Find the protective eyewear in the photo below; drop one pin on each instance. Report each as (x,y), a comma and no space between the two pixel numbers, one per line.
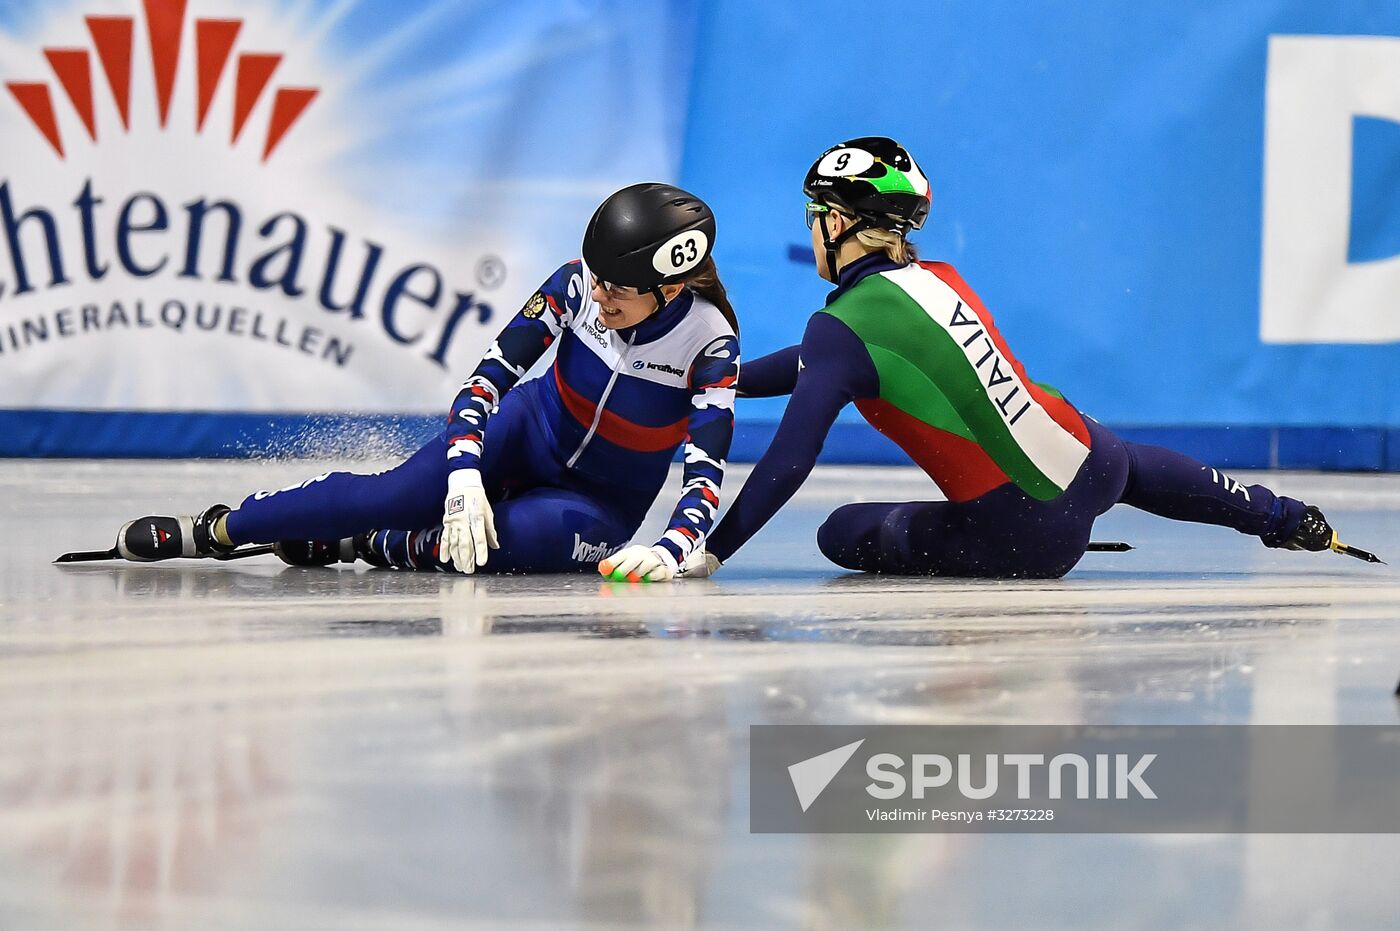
(614,291)
(814,209)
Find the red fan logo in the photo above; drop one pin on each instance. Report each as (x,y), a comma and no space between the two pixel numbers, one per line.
(112,37)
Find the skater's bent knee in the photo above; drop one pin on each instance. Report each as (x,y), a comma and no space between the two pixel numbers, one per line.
(835,540)
(826,539)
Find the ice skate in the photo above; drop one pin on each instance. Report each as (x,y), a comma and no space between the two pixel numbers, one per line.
(1314,534)
(154,538)
(315,553)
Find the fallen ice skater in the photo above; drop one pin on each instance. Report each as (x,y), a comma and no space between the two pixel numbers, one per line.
(553,473)
(914,349)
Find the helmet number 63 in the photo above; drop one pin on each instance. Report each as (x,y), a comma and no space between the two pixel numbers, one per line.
(684,252)
(681,252)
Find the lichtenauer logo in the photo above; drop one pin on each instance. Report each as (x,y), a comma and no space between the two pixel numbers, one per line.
(113,39)
(261,205)
(177,218)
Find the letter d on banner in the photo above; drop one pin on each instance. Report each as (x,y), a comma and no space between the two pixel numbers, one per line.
(1309,292)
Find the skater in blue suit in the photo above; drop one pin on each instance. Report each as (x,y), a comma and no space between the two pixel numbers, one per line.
(556,473)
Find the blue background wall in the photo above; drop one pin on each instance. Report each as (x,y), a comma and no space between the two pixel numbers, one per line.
(1097,172)
(1097,177)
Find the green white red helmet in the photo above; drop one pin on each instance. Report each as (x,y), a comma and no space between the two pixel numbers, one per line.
(873,178)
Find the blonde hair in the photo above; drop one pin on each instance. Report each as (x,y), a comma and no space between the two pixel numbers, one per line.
(896,247)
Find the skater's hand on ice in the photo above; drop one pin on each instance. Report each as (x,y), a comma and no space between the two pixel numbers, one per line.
(468,526)
(639,563)
(698,565)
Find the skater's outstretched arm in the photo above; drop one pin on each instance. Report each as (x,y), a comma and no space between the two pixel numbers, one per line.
(835,370)
(772,375)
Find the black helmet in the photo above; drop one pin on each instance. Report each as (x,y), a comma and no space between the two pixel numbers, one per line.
(874,178)
(648,235)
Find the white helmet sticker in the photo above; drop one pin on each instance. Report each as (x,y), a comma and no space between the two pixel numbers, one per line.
(916,178)
(681,253)
(838,163)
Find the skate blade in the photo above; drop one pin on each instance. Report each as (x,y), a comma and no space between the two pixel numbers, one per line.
(243,552)
(98,555)
(1355,553)
(89,555)
(1108,548)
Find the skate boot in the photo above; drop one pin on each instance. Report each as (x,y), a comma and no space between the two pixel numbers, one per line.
(150,539)
(415,550)
(317,552)
(1314,534)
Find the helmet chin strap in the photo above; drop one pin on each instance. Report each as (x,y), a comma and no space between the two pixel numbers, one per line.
(831,245)
(660,298)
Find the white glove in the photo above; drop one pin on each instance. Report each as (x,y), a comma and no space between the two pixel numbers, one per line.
(698,565)
(468,526)
(639,563)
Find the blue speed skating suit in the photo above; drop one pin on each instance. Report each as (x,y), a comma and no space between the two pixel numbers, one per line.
(571,460)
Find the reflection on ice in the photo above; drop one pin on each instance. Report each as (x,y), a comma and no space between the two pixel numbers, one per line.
(256,746)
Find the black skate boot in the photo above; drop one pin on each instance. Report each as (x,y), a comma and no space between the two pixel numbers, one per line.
(315,552)
(1314,534)
(150,539)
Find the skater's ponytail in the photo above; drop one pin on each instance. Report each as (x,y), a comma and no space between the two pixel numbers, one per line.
(896,248)
(705,282)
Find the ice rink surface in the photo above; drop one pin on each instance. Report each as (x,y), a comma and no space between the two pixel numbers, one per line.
(249,745)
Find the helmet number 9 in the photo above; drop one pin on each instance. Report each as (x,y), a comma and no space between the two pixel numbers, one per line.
(681,252)
(840,163)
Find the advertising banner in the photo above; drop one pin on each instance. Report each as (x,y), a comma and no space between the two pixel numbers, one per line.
(223,218)
(259,206)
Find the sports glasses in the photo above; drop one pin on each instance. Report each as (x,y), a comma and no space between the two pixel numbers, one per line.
(614,291)
(813,210)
